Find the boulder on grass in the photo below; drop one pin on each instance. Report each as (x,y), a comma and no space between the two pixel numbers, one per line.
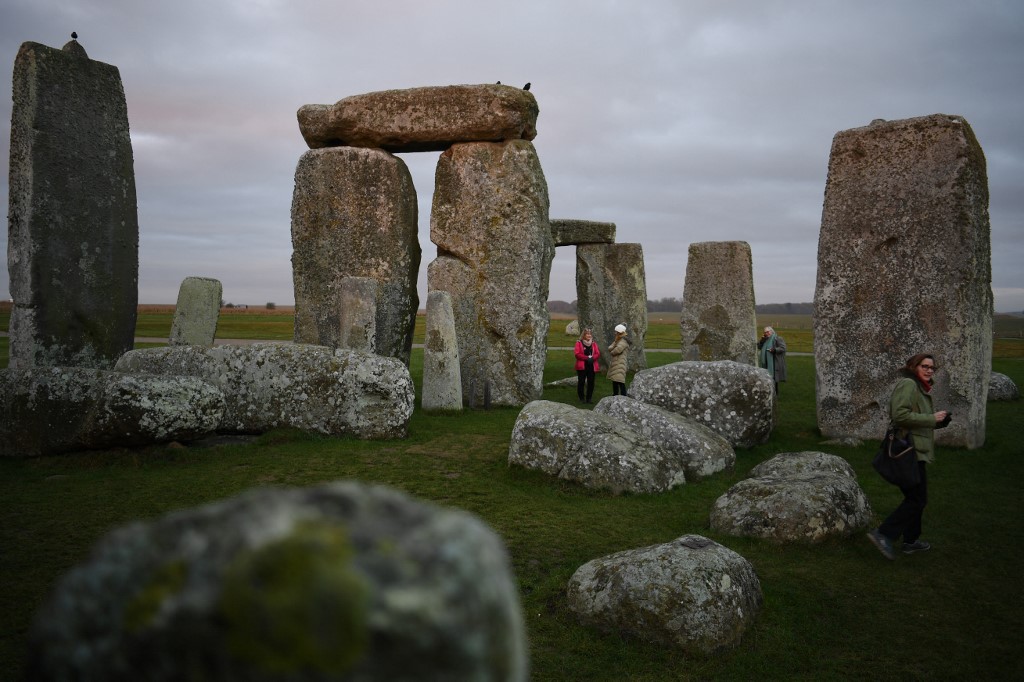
(804,497)
(314,388)
(1001,387)
(338,582)
(691,593)
(702,451)
(732,399)
(50,410)
(593,449)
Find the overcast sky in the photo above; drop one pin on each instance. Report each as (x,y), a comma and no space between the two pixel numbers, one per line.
(678,120)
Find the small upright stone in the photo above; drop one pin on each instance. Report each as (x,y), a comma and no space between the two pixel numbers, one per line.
(442,378)
(904,267)
(358,314)
(718,321)
(73,227)
(197,312)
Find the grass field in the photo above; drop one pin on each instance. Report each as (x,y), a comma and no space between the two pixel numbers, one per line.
(831,611)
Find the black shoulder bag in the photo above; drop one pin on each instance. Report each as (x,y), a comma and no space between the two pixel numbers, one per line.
(896,460)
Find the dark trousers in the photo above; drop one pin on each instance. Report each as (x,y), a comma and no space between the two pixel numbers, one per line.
(618,386)
(585,376)
(906,519)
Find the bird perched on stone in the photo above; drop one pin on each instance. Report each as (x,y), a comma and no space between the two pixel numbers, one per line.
(74,35)
(526,87)
(498,83)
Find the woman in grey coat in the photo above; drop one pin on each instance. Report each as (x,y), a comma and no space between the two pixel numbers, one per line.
(619,349)
(771,355)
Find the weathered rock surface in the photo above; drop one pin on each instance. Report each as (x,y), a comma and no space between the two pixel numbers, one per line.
(592,449)
(1001,387)
(494,251)
(567,232)
(50,410)
(733,399)
(794,497)
(357,314)
(73,226)
(691,593)
(702,451)
(354,215)
(718,321)
(901,194)
(442,377)
(197,312)
(573,329)
(341,581)
(314,388)
(422,119)
(611,289)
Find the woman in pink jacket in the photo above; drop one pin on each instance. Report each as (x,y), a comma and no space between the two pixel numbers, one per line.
(587,354)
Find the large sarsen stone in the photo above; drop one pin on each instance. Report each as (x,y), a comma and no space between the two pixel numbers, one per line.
(267,385)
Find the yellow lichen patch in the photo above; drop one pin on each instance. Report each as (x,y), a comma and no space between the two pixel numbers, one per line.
(143,608)
(298,603)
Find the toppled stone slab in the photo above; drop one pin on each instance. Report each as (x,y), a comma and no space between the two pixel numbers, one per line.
(567,232)
(899,194)
(592,449)
(339,582)
(268,385)
(1002,387)
(197,312)
(733,399)
(702,451)
(691,593)
(422,119)
(51,410)
(73,225)
(804,497)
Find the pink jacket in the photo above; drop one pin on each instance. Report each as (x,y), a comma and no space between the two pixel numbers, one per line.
(580,356)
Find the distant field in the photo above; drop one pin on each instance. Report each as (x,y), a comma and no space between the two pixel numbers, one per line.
(257,322)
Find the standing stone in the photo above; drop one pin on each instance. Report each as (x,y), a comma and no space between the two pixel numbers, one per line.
(73,227)
(358,314)
(718,321)
(611,289)
(904,266)
(490,225)
(197,312)
(442,378)
(354,215)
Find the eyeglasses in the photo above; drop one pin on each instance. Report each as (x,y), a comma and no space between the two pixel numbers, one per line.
(928,367)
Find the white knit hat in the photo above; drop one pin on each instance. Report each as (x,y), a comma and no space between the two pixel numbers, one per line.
(620,328)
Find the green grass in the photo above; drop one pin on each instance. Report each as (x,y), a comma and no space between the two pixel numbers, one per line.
(832,611)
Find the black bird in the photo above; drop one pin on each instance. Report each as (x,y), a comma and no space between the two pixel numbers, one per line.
(74,36)
(498,83)
(526,87)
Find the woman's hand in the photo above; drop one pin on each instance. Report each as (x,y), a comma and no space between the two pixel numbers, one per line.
(939,416)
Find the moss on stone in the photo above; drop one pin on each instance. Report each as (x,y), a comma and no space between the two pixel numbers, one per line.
(143,608)
(298,603)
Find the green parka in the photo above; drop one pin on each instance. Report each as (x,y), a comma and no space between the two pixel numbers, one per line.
(617,368)
(911,408)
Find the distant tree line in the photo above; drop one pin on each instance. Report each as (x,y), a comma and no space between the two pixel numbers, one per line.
(674,305)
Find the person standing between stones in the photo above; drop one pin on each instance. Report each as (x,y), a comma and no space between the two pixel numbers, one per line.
(619,349)
(910,407)
(587,354)
(771,355)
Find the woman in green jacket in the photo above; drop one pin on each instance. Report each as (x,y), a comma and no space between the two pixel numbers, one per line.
(910,408)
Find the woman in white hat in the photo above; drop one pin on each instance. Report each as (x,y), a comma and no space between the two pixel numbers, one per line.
(617,368)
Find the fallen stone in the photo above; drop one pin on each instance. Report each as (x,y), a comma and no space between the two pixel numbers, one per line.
(422,119)
(268,385)
(52,410)
(733,399)
(702,451)
(804,497)
(1002,387)
(341,581)
(691,593)
(592,449)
